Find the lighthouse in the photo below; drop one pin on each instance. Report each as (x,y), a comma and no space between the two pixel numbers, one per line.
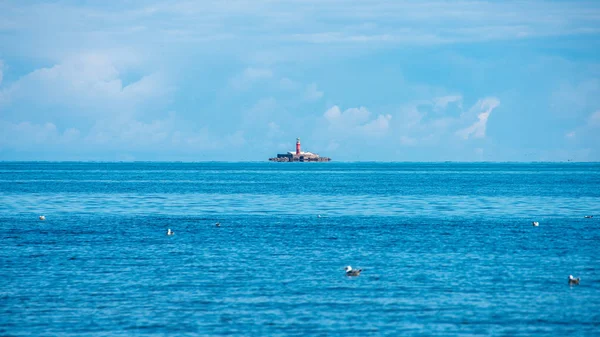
(298,156)
(297,146)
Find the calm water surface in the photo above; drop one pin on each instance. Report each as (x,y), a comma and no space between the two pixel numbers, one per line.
(447,249)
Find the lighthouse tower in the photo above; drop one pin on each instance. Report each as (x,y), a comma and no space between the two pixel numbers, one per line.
(297,146)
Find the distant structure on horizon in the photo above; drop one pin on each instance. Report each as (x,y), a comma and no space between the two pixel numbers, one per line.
(299,156)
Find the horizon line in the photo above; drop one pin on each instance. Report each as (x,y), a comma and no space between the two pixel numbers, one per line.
(273,163)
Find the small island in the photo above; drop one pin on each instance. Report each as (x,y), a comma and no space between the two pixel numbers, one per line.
(299,156)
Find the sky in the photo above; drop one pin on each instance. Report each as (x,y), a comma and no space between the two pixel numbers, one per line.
(240,80)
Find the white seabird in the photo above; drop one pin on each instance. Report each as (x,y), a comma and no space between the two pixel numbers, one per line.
(588,216)
(218,224)
(42,217)
(535,223)
(352,272)
(170,232)
(573,280)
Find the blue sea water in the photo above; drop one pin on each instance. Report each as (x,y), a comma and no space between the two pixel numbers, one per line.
(446,248)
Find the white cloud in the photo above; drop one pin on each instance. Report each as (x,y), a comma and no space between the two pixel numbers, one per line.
(338,37)
(477,129)
(204,139)
(168,135)
(236,139)
(312,94)
(131,133)
(427,122)
(418,125)
(479,153)
(87,91)
(93,86)
(257,73)
(575,99)
(588,132)
(594,119)
(274,130)
(138,132)
(264,104)
(199,139)
(356,121)
(250,76)
(287,84)
(349,118)
(87,84)
(408,141)
(213,26)
(27,135)
(441,103)
(164,136)
(260,113)
(378,126)
(332,146)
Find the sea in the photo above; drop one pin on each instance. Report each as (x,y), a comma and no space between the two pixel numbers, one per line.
(446,249)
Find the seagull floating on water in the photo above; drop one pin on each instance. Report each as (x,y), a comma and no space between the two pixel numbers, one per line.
(352,272)
(588,216)
(535,223)
(573,280)
(170,232)
(218,224)
(42,217)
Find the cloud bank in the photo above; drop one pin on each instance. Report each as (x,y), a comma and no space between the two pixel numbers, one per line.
(235,80)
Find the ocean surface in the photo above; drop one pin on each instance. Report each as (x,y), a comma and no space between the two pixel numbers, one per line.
(446,249)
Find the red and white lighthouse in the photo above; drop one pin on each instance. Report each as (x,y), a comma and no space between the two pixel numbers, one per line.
(297,146)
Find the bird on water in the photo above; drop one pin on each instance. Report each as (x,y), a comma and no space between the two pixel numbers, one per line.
(218,224)
(352,272)
(170,232)
(42,217)
(573,280)
(588,216)
(535,223)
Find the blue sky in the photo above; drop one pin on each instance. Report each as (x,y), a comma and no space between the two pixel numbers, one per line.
(240,80)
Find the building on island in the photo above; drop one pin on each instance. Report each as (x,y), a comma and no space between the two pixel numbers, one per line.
(299,156)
